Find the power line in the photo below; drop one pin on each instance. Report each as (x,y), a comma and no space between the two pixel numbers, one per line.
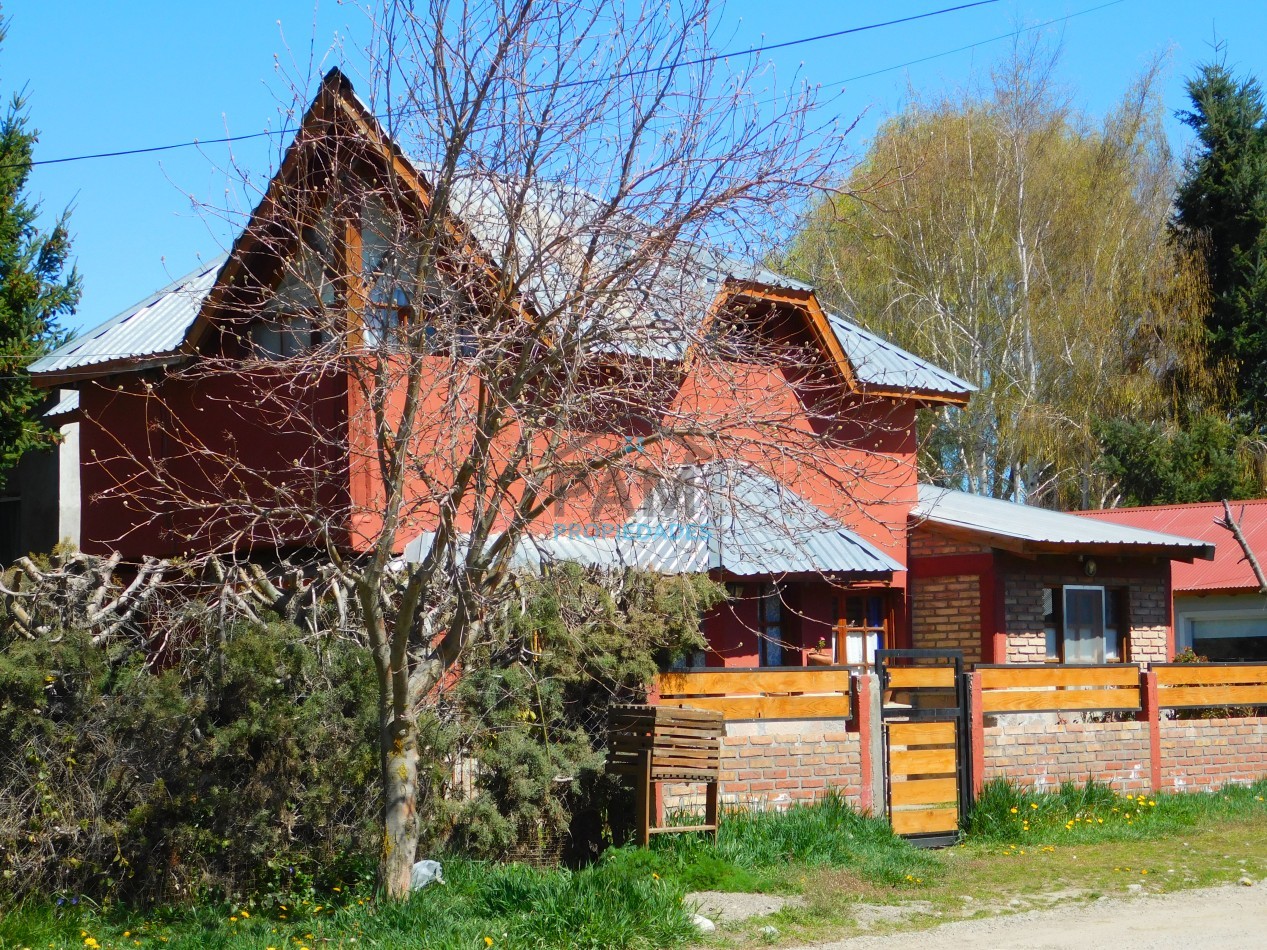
(650,70)
(993,39)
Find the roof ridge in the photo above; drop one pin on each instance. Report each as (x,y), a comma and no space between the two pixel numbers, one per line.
(1177,506)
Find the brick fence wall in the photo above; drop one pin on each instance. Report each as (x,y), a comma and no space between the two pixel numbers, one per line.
(773,764)
(1203,754)
(1043,751)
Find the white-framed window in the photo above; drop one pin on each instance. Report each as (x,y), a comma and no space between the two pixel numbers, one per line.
(1224,629)
(284,337)
(1085,624)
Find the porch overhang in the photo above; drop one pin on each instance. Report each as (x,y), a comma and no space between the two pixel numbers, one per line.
(1029,532)
(724,519)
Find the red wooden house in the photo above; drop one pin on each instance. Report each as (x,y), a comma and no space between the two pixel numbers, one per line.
(813,554)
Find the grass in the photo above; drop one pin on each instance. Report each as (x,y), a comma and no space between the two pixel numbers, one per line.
(754,850)
(481,905)
(1094,812)
(836,859)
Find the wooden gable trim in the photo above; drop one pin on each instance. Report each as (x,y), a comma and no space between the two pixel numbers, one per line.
(733,290)
(807,302)
(268,211)
(335,102)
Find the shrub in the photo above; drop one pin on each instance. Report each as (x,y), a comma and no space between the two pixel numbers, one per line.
(247,763)
(533,702)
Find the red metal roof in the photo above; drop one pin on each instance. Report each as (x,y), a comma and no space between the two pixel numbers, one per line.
(1228,571)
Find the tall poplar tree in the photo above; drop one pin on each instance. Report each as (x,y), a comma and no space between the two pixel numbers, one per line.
(1221,215)
(36,287)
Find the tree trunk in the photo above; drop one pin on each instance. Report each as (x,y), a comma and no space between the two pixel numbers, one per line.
(398,740)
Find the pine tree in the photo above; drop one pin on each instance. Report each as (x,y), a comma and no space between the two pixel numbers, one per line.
(1221,214)
(35,287)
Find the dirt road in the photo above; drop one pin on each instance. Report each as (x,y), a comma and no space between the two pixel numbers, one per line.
(1232,917)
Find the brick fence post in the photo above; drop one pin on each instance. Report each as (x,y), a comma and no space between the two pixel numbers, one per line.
(1151,714)
(870,744)
(976,733)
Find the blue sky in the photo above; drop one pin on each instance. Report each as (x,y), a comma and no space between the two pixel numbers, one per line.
(113,76)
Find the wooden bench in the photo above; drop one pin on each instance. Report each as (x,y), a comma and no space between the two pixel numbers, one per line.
(665,744)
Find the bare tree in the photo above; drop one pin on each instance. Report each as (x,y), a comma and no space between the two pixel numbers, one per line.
(496,306)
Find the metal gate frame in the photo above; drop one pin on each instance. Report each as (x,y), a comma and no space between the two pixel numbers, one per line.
(958,714)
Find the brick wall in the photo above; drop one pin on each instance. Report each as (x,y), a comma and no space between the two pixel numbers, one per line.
(946,614)
(1147,611)
(772,764)
(1201,754)
(926,541)
(1038,750)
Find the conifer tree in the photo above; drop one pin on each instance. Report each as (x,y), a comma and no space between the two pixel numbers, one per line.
(1221,214)
(36,289)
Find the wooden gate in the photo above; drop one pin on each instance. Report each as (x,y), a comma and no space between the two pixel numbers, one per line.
(923,712)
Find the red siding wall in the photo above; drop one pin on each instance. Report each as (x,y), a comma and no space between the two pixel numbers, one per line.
(163,460)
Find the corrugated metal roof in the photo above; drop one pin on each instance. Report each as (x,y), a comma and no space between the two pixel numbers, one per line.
(1005,519)
(67,403)
(661,312)
(673,301)
(1229,571)
(152,328)
(729,518)
(877,362)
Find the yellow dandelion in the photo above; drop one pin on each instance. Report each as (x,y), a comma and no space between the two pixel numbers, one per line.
(1033,804)
(1013,809)
(244,913)
(488,941)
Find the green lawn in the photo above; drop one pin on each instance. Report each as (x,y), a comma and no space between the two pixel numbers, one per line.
(1025,850)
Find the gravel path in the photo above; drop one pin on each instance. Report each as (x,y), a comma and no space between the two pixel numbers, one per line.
(1231,917)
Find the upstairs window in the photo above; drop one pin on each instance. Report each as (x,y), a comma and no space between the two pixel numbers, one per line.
(291,321)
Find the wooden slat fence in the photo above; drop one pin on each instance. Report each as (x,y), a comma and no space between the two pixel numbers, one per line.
(1050,688)
(1189,685)
(768,693)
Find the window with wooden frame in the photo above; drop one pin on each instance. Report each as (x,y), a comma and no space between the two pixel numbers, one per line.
(863,625)
(770,643)
(1086,624)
